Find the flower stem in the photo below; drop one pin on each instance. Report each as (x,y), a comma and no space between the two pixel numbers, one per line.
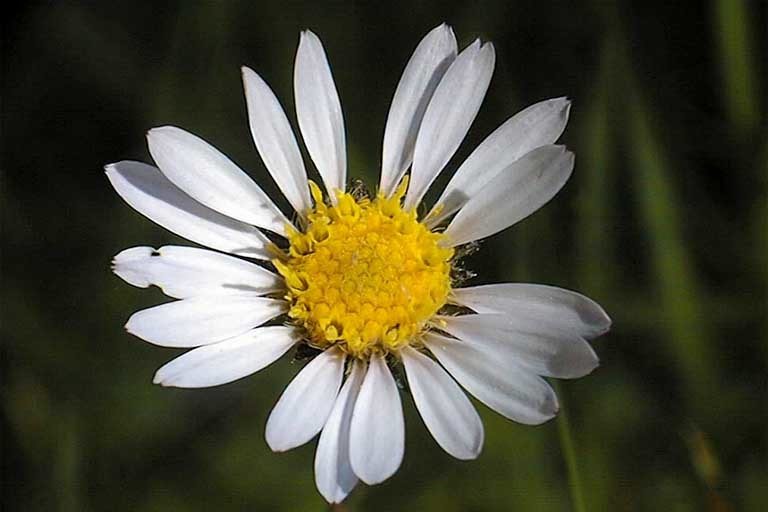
(569,454)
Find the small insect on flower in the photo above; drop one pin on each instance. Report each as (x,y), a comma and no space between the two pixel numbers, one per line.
(363,284)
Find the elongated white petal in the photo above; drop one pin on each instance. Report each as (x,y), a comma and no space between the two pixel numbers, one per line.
(536,126)
(568,309)
(447,412)
(319,113)
(202,320)
(208,176)
(275,141)
(377,433)
(508,389)
(333,472)
(536,343)
(521,189)
(150,193)
(306,403)
(422,74)
(449,115)
(235,358)
(183,272)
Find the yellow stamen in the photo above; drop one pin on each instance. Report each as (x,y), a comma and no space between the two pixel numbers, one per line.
(364,275)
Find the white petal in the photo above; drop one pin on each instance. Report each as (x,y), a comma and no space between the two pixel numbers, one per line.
(570,310)
(508,389)
(521,189)
(377,433)
(150,193)
(202,320)
(306,403)
(449,115)
(333,472)
(422,74)
(275,141)
(449,415)
(319,113)
(235,358)
(183,272)
(539,344)
(536,126)
(207,175)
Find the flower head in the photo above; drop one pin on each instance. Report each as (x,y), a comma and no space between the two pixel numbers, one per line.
(365,275)
(362,279)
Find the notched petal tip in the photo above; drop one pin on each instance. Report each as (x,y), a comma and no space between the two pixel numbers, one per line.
(474,45)
(162,379)
(487,52)
(307,34)
(112,170)
(162,132)
(563,100)
(446,29)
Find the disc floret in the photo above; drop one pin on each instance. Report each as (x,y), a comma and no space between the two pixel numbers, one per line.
(365,274)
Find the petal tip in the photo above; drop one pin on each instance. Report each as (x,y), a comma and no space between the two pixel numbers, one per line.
(248,76)
(554,406)
(604,322)
(471,452)
(308,35)
(161,131)
(445,29)
(273,444)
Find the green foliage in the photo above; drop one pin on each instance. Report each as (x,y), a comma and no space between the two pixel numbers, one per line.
(664,222)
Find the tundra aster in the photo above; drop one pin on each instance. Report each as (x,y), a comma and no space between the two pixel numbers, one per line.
(363,280)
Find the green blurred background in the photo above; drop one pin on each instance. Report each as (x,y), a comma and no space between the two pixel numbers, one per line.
(664,222)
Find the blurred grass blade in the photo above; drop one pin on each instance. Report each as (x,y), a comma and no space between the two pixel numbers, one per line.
(731,26)
(569,454)
(761,214)
(703,457)
(66,464)
(594,209)
(680,307)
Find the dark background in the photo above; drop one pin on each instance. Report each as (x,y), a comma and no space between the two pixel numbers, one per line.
(664,222)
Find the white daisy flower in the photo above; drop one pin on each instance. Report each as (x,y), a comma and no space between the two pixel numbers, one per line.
(365,282)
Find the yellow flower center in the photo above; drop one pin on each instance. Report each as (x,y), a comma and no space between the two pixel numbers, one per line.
(364,275)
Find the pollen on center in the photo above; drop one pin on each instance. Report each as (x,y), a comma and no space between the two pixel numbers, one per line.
(364,274)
